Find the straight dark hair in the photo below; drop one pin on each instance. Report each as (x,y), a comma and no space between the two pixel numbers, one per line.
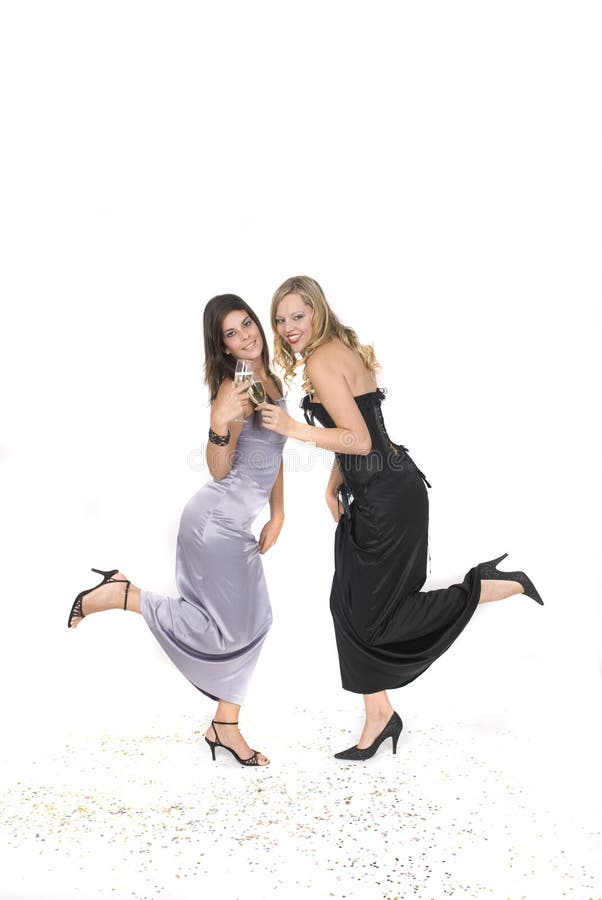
(219,364)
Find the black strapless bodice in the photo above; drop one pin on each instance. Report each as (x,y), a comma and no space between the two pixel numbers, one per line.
(358,470)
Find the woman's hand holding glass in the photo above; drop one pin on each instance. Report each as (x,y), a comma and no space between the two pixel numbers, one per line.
(274,418)
(230,406)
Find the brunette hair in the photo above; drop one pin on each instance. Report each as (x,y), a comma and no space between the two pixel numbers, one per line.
(219,364)
(324,326)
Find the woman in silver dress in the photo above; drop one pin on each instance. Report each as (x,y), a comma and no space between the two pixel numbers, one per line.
(214,629)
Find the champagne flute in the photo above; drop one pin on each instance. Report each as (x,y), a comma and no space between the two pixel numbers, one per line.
(243,372)
(257,392)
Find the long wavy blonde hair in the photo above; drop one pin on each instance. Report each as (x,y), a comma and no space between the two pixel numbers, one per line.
(325,326)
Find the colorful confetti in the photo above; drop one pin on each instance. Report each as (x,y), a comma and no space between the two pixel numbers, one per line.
(151,816)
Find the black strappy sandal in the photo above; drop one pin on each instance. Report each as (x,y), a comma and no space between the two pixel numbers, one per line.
(251,761)
(77,611)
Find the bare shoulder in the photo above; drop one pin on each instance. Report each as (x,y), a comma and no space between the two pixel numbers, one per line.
(226,385)
(334,356)
(340,363)
(224,388)
(326,357)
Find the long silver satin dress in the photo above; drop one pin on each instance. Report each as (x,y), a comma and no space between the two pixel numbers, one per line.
(214,630)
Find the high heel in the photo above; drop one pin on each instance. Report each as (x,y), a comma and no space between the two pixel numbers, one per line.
(250,761)
(391,730)
(77,611)
(488,570)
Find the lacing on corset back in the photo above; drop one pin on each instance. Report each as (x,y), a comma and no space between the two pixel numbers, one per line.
(358,470)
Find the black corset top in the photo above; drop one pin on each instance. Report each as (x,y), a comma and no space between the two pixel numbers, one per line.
(357,469)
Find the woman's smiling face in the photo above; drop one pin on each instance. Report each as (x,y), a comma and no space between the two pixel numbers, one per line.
(241,336)
(293,322)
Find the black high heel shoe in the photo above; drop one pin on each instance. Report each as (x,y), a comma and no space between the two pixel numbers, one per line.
(77,610)
(250,761)
(391,730)
(488,570)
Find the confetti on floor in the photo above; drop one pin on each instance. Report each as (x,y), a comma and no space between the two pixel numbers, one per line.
(456,812)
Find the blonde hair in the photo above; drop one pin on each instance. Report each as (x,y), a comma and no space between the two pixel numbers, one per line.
(325,326)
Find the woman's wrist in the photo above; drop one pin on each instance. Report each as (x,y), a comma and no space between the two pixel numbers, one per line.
(219,426)
(299,431)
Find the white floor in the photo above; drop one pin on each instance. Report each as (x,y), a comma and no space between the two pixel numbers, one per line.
(494,791)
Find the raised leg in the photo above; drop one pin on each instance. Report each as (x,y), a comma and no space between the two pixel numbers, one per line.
(109,596)
(509,582)
(498,590)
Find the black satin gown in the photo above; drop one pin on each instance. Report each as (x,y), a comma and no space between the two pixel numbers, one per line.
(387,630)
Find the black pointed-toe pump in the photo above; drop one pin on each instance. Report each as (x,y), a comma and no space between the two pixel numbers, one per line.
(489,570)
(77,611)
(391,730)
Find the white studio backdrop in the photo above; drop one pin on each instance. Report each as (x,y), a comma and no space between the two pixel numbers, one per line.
(436,168)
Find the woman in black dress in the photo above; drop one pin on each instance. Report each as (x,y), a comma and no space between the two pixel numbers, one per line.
(387,630)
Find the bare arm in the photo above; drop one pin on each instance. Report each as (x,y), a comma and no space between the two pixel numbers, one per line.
(271,530)
(351,433)
(277,495)
(230,402)
(332,500)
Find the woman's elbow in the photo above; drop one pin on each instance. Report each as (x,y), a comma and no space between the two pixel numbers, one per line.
(357,444)
(218,473)
(363,444)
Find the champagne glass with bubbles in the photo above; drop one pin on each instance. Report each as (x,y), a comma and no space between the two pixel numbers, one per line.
(257,391)
(243,372)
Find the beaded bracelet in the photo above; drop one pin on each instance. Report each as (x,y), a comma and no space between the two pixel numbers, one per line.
(220,439)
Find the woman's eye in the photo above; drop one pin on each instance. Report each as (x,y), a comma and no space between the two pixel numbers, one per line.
(247,322)
(298,316)
(229,334)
